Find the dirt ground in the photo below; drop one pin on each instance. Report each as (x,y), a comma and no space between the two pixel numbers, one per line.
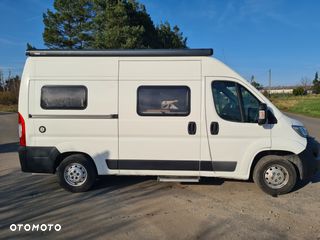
(142,208)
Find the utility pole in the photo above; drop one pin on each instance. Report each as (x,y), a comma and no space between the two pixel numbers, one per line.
(269,82)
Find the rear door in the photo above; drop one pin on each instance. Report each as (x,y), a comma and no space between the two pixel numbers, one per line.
(159,117)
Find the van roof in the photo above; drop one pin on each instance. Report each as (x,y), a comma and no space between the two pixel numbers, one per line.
(120,52)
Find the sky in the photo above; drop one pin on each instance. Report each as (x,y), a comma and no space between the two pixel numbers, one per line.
(251,36)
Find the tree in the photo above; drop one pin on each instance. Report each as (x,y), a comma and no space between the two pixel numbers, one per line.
(255,83)
(30,47)
(316,77)
(316,84)
(117,25)
(10,89)
(105,24)
(6,82)
(252,78)
(13,84)
(170,38)
(299,91)
(305,83)
(70,26)
(2,83)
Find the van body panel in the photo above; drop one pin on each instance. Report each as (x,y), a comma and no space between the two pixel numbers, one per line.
(92,131)
(285,138)
(160,70)
(119,140)
(24,97)
(158,137)
(235,141)
(75,68)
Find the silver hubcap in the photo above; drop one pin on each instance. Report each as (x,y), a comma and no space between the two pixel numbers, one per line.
(276,176)
(75,174)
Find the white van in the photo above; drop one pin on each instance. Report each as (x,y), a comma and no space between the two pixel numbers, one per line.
(176,114)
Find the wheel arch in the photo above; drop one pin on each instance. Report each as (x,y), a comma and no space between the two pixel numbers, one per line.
(292,157)
(62,156)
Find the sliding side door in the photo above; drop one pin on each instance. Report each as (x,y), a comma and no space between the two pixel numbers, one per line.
(159,117)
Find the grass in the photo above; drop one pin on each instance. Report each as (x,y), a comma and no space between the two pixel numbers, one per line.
(8,108)
(8,101)
(308,105)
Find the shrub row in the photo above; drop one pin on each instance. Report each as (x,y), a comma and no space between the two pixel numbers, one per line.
(8,98)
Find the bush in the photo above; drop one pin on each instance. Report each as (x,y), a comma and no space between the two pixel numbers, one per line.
(299,91)
(316,89)
(8,98)
(265,93)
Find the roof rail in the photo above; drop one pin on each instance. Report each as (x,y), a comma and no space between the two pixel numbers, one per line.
(119,52)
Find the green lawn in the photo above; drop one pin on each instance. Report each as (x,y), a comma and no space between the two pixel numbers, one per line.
(308,105)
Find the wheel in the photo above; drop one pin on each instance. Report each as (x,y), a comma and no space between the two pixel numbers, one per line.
(76,173)
(275,175)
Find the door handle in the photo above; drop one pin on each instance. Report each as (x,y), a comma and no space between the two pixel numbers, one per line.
(214,128)
(192,128)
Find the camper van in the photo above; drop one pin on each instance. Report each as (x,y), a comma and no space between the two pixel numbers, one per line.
(176,114)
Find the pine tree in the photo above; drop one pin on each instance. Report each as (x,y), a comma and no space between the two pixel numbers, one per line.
(316,78)
(30,47)
(170,38)
(255,83)
(70,26)
(113,25)
(252,79)
(105,24)
(316,84)
(2,82)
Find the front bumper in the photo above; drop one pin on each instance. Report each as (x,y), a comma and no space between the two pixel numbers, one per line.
(309,159)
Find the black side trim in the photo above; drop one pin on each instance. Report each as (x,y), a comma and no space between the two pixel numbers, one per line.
(38,159)
(171,165)
(158,165)
(112,164)
(206,166)
(224,166)
(271,118)
(120,52)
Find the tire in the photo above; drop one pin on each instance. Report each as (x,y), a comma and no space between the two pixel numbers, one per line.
(76,173)
(275,175)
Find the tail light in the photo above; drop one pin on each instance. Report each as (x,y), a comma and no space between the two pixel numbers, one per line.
(22,131)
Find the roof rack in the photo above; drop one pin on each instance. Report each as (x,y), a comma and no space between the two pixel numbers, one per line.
(120,52)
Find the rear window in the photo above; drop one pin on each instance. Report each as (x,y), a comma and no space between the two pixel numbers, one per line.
(64,97)
(163,101)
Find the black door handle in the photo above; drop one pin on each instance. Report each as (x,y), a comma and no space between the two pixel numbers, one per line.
(192,128)
(214,128)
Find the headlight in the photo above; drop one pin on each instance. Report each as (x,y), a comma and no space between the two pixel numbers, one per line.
(301,130)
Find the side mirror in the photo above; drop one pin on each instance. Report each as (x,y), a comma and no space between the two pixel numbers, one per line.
(263,109)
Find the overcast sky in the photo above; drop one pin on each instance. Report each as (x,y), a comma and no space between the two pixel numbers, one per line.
(252,36)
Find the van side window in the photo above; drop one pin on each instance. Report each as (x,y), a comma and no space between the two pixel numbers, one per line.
(250,106)
(163,101)
(64,97)
(235,103)
(225,95)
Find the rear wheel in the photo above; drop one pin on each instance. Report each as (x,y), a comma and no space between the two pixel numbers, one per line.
(275,175)
(76,173)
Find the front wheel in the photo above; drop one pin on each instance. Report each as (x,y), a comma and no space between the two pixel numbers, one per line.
(275,175)
(76,173)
